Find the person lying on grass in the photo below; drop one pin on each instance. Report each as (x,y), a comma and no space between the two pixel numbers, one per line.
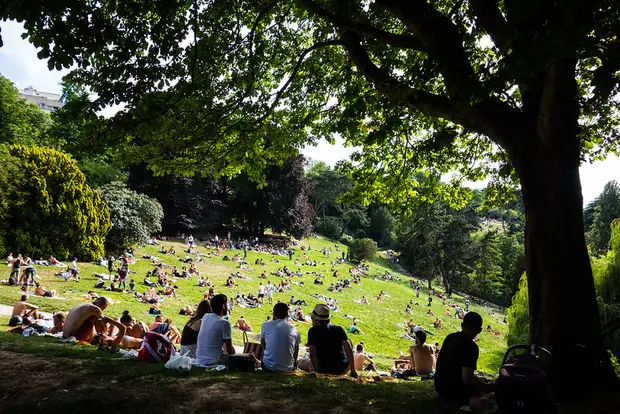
(119,340)
(41,291)
(84,321)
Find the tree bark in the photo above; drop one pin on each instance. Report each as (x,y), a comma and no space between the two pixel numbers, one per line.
(562,298)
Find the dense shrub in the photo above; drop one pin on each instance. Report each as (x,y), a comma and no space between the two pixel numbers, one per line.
(362,249)
(134,216)
(60,214)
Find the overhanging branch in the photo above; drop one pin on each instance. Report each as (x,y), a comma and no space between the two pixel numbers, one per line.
(430,104)
(362,29)
(490,18)
(300,61)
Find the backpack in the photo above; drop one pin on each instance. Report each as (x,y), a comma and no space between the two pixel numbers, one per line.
(155,348)
(524,382)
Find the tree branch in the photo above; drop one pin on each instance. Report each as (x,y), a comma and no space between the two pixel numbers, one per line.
(300,61)
(491,117)
(425,102)
(492,21)
(441,39)
(362,29)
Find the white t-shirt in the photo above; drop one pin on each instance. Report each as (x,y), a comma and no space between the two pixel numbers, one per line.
(214,330)
(261,290)
(269,290)
(281,339)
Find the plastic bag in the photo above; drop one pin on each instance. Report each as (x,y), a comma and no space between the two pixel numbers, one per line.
(179,362)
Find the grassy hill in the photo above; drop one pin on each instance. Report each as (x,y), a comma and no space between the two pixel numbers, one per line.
(382,324)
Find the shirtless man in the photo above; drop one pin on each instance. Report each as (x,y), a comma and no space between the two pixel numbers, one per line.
(422,355)
(362,361)
(40,291)
(85,320)
(23,308)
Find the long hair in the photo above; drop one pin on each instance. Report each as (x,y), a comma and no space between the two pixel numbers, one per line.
(204,307)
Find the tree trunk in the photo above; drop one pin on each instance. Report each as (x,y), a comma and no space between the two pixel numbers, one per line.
(562,299)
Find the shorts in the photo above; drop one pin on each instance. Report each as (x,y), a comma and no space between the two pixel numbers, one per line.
(261,295)
(47,294)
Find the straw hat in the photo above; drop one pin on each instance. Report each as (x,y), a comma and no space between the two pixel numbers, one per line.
(320,313)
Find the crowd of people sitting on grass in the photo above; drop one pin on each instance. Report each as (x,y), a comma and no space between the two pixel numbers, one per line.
(207,337)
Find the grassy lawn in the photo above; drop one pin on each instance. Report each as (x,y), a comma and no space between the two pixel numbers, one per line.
(381,323)
(45,375)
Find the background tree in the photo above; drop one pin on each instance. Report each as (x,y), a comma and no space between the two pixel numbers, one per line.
(606,208)
(60,214)
(135,217)
(20,122)
(491,88)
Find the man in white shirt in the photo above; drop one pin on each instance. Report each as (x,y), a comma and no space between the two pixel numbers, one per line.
(215,335)
(261,293)
(280,341)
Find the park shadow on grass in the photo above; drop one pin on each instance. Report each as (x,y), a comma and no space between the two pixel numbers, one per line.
(44,375)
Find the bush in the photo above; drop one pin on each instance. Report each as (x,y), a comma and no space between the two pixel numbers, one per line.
(362,249)
(61,215)
(134,216)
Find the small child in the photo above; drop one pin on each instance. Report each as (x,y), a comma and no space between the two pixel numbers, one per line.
(132,286)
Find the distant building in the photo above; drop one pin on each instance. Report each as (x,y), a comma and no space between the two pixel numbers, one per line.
(47,101)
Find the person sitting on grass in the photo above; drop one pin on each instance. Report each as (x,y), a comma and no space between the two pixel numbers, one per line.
(230,282)
(438,323)
(422,355)
(189,337)
(329,346)
(364,300)
(59,320)
(242,325)
(454,377)
(280,340)
(215,335)
(363,362)
(85,320)
(41,291)
(22,308)
(159,319)
(354,329)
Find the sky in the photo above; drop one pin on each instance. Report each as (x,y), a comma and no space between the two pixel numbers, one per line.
(19,63)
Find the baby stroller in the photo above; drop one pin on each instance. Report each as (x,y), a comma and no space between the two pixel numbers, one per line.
(525,382)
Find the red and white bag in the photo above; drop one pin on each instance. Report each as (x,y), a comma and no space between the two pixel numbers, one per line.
(156,348)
